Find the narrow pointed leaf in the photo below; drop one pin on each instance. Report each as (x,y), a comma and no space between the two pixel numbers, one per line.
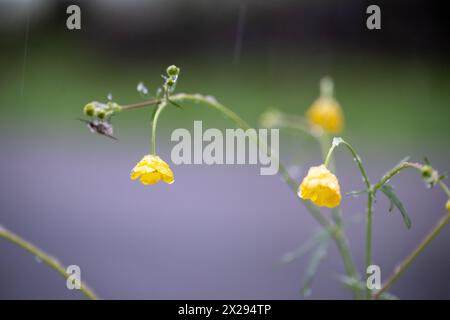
(395,202)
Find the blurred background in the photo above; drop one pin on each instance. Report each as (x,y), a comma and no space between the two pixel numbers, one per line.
(219,232)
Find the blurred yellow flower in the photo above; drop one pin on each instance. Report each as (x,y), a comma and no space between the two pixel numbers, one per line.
(326,113)
(151,169)
(321,187)
(447,205)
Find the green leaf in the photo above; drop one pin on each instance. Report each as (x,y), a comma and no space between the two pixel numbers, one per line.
(395,202)
(316,258)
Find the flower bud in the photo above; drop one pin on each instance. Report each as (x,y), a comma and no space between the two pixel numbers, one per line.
(89,109)
(170,82)
(101,114)
(173,71)
(427,171)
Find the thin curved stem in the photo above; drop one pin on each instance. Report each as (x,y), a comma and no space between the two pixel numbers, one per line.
(46,258)
(370,198)
(146,103)
(405,264)
(160,107)
(445,188)
(425,242)
(394,171)
(339,237)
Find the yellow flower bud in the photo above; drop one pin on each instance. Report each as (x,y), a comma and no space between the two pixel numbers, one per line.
(271,118)
(447,205)
(326,113)
(151,169)
(321,187)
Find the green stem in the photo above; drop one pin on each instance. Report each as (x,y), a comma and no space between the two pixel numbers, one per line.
(146,103)
(46,258)
(394,171)
(370,197)
(369,237)
(403,266)
(154,124)
(445,188)
(339,237)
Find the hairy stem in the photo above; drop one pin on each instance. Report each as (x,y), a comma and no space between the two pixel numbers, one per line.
(46,258)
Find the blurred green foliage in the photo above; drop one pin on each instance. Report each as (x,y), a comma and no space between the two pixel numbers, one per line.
(388,101)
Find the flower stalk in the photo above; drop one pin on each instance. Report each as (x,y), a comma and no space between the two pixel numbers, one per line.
(339,236)
(413,256)
(44,257)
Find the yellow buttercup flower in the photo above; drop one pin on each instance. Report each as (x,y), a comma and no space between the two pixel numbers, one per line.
(151,169)
(326,113)
(447,205)
(321,187)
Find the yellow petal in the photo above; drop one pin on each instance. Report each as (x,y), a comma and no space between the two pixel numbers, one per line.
(321,187)
(327,114)
(150,178)
(151,169)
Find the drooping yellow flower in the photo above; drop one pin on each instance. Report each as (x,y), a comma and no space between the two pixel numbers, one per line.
(321,187)
(326,113)
(447,205)
(151,169)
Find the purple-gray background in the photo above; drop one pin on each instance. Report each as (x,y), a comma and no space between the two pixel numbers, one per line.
(218,232)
